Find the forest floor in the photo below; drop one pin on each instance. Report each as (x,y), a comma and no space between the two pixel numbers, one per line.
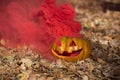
(101,28)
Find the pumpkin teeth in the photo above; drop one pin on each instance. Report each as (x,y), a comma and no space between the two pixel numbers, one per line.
(75,48)
(72,54)
(60,50)
(70,49)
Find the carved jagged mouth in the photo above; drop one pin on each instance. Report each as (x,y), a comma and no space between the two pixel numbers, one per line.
(74,53)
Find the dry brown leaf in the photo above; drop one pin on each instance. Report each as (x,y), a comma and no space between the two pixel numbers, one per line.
(24,75)
(101,61)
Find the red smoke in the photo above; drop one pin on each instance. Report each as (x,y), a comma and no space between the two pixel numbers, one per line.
(36,22)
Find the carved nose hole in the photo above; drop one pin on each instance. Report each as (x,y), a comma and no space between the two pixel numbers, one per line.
(72,43)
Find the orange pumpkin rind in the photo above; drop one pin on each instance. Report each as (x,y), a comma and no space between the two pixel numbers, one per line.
(71,49)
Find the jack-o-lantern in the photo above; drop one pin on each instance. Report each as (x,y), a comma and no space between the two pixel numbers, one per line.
(71,49)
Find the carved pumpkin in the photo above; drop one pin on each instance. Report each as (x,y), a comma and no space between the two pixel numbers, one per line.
(71,49)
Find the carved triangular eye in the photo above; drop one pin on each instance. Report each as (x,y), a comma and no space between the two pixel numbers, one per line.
(72,43)
(58,43)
